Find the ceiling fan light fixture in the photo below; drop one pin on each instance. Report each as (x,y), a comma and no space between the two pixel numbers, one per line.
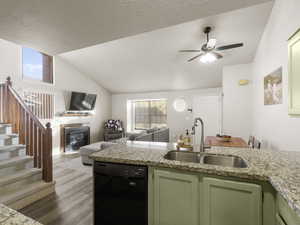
(208,57)
(211,44)
(209,51)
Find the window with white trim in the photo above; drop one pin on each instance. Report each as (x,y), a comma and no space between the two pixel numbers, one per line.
(148,114)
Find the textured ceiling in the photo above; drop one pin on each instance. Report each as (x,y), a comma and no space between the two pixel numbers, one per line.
(56,26)
(151,61)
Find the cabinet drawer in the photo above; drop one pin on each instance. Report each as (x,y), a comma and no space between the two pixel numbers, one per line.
(289,217)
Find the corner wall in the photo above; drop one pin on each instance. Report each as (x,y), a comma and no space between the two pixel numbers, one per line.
(237,101)
(66,79)
(272,124)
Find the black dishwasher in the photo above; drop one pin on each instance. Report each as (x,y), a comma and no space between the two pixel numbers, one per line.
(120,194)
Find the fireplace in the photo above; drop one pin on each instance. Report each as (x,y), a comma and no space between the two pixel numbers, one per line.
(74,136)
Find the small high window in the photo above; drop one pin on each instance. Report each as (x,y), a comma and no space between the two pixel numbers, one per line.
(37,65)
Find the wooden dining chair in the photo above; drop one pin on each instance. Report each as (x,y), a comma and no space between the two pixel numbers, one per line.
(251,141)
(257,144)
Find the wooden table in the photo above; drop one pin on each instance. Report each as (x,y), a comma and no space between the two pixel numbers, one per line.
(234,142)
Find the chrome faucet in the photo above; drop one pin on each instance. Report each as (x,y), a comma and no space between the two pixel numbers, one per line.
(202,132)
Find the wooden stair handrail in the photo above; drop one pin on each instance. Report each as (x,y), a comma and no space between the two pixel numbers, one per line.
(23,104)
(32,133)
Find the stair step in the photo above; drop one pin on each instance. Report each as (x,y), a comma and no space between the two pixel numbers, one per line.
(5,124)
(27,195)
(15,164)
(9,139)
(5,136)
(20,183)
(10,151)
(11,147)
(19,180)
(5,128)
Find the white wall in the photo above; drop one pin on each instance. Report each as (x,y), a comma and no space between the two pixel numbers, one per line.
(272,123)
(237,101)
(177,121)
(209,109)
(66,79)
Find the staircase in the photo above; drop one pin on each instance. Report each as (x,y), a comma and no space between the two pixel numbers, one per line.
(25,155)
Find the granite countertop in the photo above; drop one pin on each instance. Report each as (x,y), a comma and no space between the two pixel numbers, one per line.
(280,168)
(11,217)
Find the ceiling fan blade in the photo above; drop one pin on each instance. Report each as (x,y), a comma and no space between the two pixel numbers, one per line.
(218,55)
(211,43)
(226,47)
(195,57)
(190,51)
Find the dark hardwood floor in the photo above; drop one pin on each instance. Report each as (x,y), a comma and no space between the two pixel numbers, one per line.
(72,202)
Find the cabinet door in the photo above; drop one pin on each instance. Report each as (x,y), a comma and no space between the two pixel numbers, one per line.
(279,221)
(176,198)
(231,203)
(285,214)
(294,74)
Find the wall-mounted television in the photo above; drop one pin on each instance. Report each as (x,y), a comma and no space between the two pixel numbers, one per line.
(82,101)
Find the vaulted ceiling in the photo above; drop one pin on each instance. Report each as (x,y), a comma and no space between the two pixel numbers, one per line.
(56,26)
(151,61)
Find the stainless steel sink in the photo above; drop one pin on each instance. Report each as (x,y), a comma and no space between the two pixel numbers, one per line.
(228,161)
(183,156)
(206,158)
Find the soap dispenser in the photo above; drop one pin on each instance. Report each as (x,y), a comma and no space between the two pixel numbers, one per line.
(187,139)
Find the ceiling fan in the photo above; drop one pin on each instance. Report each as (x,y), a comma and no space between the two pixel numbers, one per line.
(209,51)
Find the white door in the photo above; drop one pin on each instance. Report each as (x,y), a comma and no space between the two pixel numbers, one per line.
(208,108)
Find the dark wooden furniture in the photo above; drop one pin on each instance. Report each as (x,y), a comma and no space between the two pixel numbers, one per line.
(234,142)
(110,135)
(115,132)
(32,133)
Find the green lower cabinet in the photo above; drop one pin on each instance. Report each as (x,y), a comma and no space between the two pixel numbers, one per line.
(175,198)
(279,220)
(228,202)
(187,198)
(285,215)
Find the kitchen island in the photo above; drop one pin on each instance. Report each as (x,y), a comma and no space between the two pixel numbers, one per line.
(279,169)
(11,217)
